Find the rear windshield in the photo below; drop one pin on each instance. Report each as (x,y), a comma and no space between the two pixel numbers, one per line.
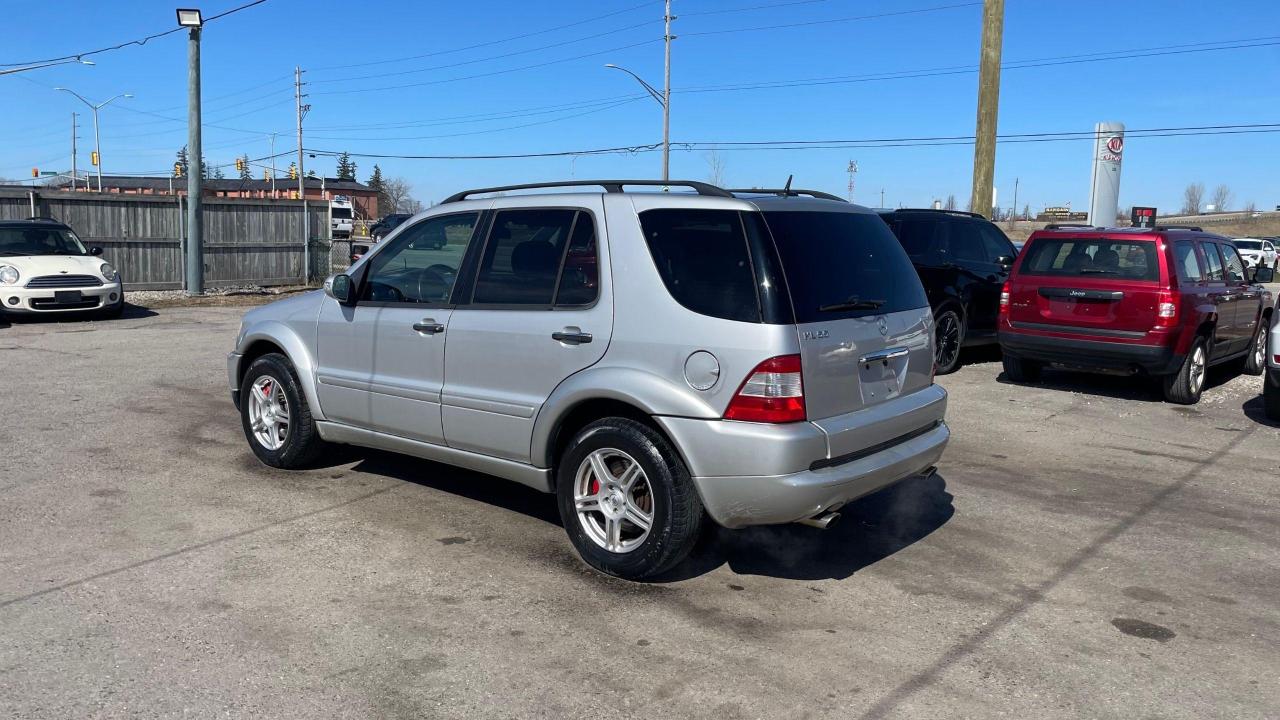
(1248,244)
(1092,257)
(843,262)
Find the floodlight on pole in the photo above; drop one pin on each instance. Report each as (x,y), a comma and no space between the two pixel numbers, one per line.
(189,18)
(194,257)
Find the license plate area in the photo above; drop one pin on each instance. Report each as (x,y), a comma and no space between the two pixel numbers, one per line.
(880,379)
(68,297)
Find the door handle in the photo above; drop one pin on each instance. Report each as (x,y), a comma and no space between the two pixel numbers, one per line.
(428,326)
(569,336)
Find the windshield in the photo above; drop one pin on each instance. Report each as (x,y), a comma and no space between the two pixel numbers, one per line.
(1248,244)
(32,240)
(842,264)
(342,213)
(1100,257)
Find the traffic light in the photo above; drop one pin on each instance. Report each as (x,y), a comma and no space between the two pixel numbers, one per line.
(266,174)
(177,169)
(241,164)
(35,172)
(293,172)
(93,158)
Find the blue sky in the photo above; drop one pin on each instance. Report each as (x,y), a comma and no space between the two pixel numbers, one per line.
(578,104)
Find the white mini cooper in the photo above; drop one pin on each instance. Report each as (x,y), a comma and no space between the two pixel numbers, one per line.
(44,268)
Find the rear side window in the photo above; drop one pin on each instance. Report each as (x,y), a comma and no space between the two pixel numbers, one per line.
(1189,269)
(704,261)
(1214,262)
(1093,257)
(522,257)
(833,260)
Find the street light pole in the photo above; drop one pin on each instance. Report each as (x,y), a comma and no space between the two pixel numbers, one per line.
(195,219)
(666,93)
(97,148)
(661,99)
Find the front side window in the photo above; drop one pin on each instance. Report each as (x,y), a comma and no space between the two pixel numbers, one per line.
(522,257)
(34,240)
(1233,266)
(421,264)
(1188,262)
(1100,257)
(997,244)
(1213,272)
(966,242)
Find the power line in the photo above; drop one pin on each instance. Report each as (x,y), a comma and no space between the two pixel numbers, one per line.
(830,21)
(139,42)
(750,8)
(482,117)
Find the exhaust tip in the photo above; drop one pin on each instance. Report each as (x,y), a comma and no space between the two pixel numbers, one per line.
(823,521)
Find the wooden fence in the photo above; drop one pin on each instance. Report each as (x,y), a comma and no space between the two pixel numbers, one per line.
(246,241)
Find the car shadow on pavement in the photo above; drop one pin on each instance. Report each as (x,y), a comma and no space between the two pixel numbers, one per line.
(870,529)
(130,312)
(1141,388)
(1256,411)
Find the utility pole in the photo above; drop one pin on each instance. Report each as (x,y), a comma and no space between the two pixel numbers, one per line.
(984,149)
(1014,215)
(666,94)
(73,152)
(273,166)
(195,173)
(853,170)
(302,175)
(881,197)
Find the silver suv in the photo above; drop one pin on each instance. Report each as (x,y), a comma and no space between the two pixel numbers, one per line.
(652,358)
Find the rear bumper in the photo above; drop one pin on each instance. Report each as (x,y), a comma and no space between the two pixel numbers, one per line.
(1091,354)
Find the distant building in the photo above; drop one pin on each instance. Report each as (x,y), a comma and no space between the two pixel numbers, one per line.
(364,200)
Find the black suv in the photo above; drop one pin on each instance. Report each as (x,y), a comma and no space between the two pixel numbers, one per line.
(963,260)
(383,227)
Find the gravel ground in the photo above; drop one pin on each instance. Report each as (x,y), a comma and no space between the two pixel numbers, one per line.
(1085,551)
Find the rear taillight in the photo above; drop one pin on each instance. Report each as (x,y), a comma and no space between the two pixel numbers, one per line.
(772,393)
(1004,298)
(1166,309)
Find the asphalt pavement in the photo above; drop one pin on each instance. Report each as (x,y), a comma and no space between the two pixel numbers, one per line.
(1086,550)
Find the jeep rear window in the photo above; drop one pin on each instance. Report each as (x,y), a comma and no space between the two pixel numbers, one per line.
(832,259)
(1092,257)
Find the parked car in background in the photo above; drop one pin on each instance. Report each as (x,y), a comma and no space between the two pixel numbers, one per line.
(1166,303)
(963,259)
(341,216)
(1257,251)
(649,357)
(44,268)
(1271,388)
(383,227)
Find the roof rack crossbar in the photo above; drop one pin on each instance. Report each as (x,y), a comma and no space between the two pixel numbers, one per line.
(610,186)
(1194,228)
(1069,226)
(784,192)
(942,210)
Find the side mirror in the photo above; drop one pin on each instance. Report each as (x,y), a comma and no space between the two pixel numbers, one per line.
(95,251)
(1263,274)
(1005,260)
(340,288)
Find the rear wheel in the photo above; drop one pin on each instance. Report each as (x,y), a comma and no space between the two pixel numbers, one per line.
(275,416)
(1184,387)
(1256,363)
(626,500)
(1271,395)
(948,336)
(1018,369)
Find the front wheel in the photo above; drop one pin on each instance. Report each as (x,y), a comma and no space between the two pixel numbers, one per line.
(626,499)
(275,415)
(1256,363)
(948,336)
(1185,386)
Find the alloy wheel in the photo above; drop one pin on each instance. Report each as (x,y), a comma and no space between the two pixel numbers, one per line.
(1196,375)
(613,500)
(1260,347)
(269,412)
(948,340)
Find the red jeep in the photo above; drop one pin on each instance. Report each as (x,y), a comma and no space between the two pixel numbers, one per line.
(1166,303)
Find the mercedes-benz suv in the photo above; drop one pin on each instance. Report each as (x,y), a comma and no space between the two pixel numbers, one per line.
(652,358)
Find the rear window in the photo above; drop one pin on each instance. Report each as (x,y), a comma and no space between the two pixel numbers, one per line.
(1092,257)
(835,258)
(1248,244)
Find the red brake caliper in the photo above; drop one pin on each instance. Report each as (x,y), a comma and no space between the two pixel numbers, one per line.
(595,485)
(266,390)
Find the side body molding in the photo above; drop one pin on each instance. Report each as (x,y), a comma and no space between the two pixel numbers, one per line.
(640,388)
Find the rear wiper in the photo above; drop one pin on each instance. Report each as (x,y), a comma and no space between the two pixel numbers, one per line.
(853,303)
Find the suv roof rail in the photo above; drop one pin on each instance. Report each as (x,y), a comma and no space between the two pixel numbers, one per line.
(43,218)
(938,210)
(1068,226)
(1196,228)
(610,186)
(787,192)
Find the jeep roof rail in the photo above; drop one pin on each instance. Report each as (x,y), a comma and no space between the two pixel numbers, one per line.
(936,210)
(785,192)
(610,186)
(1195,228)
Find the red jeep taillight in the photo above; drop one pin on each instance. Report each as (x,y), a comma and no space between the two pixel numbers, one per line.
(1167,309)
(772,393)
(1004,298)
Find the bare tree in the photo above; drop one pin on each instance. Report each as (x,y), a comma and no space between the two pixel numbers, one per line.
(951,203)
(1221,197)
(716,164)
(398,192)
(1192,197)
(412,206)
(1251,207)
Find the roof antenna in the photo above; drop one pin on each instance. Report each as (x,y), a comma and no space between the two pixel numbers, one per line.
(786,190)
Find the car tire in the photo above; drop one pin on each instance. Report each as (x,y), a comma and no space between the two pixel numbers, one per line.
(1271,396)
(1256,362)
(946,350)
(1020,370)
(298,443)
(1185,386)
(663,489)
